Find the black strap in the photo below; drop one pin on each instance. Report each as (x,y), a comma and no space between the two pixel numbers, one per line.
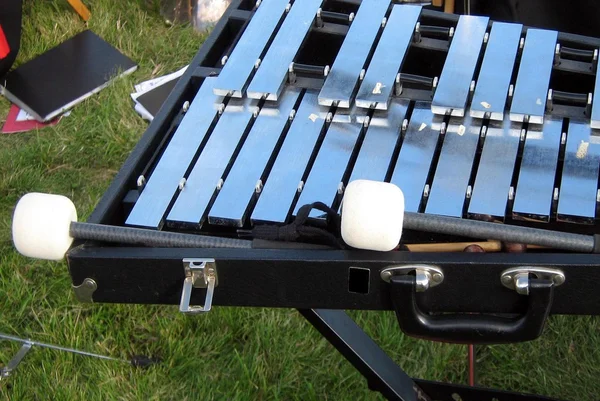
(301,228)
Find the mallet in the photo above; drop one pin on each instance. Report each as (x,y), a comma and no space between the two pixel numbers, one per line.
(44,227)
(373,217)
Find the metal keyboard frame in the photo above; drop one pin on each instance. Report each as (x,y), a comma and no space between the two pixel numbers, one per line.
(311,279)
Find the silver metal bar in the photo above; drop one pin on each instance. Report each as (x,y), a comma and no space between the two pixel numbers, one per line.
(495,171)
(380,141)
(272,73)
(58,348)
(378,84)
(535,185)
(248,50)
(161,187)
(244,180)
(206,175)
(324,181)
(579,184)
(345,72)
(533,79)
(416,154)
(491,91)
(454,86)
(451,179)
(277,195)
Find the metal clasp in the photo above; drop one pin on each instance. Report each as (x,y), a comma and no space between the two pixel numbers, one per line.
(517,278)
(427,276)
(199,273)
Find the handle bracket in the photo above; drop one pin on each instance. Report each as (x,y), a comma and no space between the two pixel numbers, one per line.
(427,276)
(517,278)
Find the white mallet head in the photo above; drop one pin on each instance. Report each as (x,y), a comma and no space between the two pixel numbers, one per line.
(41,224)
(372,215)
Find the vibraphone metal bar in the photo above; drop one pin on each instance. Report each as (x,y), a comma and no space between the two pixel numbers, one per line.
(339,86)
(491,190)
(456,80)
(580,175)
(455,161)
(535,185)
(378,84)
(491,90)
(272,72)
(533,79)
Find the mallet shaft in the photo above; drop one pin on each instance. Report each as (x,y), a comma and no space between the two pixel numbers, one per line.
(139,236)
(500,232)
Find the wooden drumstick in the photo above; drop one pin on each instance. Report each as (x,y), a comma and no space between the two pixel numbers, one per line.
(449,6)
(487,246)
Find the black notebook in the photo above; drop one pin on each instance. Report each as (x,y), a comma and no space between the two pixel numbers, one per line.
(154,98)
(57,80)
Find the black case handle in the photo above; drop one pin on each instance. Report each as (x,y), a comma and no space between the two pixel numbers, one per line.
(471,328)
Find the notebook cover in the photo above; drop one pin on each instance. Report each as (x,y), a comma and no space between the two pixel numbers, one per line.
(65,75)
(13,124)
(154,98)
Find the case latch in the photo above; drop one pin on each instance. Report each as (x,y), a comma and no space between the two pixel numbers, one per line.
(199,273)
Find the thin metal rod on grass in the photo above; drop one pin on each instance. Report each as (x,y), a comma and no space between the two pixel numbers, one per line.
(59,348)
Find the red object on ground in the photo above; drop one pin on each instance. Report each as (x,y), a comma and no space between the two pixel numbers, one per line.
(12,126)
(4,47)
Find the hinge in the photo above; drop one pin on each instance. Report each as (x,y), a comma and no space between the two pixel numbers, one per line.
(85,290)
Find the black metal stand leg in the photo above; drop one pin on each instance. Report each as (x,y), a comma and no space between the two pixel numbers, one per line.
(384,375)
(364,354)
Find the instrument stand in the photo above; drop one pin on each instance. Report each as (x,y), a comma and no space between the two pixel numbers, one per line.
(138,361)
(384,375)
(7,370)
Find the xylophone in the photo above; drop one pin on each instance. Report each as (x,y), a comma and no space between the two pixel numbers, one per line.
(288,104)
(476,121)
(495,141)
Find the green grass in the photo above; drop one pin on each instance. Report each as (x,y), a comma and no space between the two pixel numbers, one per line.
(231,353)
